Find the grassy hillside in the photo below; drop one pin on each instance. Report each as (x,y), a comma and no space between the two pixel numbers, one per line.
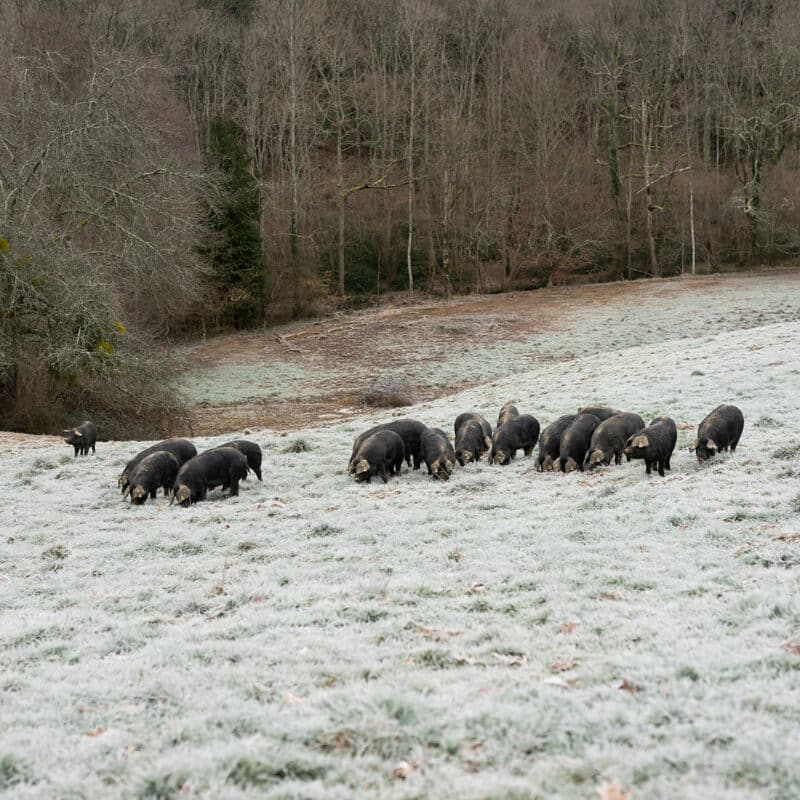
(443,347)
(504,635)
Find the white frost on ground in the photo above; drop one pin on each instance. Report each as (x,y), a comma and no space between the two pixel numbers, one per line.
(610,323)
(305,638)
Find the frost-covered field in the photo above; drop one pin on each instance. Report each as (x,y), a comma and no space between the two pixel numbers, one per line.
(504,635)
(574,323)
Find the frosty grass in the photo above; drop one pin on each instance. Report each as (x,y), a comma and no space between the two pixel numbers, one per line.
(504,635)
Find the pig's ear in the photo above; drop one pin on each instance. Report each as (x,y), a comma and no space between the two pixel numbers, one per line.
(77,432)
(640,441)
(711,445)
(362,467)
(487,441)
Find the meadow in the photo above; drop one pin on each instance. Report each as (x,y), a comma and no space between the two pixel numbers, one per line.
(507,634)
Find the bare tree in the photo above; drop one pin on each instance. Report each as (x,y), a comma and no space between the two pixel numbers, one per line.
(280,63)
(99,214)
(758,77)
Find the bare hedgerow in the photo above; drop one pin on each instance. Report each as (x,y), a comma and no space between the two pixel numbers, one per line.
(99,215)
(388,391)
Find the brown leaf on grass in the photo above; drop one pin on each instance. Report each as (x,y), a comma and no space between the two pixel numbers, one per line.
(340,741)
(381,493)
(563,666)
(611,790)
(787,537)
(610,596)
(465,661)
(404,770)
(628,686)
(477,588)
(435,634)
(292,699)
(686,426)
(792,647)
(472,756)
(567,627)
(98,731)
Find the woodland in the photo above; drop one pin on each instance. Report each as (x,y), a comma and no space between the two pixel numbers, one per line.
(174,168)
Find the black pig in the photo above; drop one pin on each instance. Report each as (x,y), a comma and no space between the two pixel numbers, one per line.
(507,412)
(471,415)
(471,442)
(473,437)
(222,466)
(82,438)
(550,443)
(252,452)
(380,453)
(519,432)
(409,430)
(601,412)
(721,429)
(575,442)
(157,469)
(654,444)
(438,454)
(610,437)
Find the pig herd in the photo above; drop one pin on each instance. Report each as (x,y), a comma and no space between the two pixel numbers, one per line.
(591,438)
(586,440)
(175,466)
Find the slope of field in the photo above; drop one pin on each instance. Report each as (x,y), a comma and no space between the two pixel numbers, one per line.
(503,635)
(442,347)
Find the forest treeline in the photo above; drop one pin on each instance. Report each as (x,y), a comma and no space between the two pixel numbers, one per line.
(188,165)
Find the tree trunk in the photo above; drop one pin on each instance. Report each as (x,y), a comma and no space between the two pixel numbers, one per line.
(628,219)
(340,185)
(691,170)
(427,194)
(647,142)
(293,162)
(412,110)
(616,180)
(691,200)
(754,204)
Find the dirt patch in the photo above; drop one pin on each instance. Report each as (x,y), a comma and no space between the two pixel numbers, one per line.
(9,441)
(353,348)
